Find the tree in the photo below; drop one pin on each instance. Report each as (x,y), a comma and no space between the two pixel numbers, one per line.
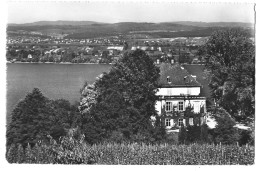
(66,117)
(88,97)
(231,70)
(36,116)
(182,136)
(125,46)
(125,98)
(31,119)
(224,131)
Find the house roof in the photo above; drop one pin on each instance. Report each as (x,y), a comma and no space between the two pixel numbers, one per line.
(174,75)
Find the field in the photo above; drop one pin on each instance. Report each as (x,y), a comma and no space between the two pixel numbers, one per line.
(71,151)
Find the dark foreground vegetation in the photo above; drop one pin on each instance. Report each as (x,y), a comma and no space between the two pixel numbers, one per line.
(72,151)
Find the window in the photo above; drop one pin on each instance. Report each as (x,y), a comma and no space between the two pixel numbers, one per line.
(168,106)
(190,121)
(180,106)
(196,107)
(167,122)
(180,122)
(168,79)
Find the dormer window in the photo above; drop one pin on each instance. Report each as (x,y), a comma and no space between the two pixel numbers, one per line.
(169,79)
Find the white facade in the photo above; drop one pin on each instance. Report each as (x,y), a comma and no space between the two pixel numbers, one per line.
(180,105)
(181,97)
(177,91)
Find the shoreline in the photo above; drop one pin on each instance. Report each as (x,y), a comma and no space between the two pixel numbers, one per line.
(70,63)
(63,63)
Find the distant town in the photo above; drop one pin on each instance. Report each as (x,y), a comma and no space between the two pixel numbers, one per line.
(31,47)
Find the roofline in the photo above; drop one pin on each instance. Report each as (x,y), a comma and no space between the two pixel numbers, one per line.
(160,97)
(173,86)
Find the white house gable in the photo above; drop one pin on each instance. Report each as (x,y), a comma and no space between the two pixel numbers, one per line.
(178,91)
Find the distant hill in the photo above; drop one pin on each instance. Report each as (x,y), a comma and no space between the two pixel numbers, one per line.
(91,29)
(57,23)
(215,24)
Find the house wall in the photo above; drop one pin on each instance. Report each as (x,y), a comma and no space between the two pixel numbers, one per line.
(187,121)
(189,96)
(176,91)
(195,103)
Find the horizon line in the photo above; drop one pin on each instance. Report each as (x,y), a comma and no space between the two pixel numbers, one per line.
(132,21)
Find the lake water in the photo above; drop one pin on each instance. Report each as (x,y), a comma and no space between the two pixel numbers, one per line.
(54,80)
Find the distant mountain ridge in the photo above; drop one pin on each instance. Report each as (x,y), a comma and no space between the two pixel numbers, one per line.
(59,23)
(215,24)
(92,29)
(186,23)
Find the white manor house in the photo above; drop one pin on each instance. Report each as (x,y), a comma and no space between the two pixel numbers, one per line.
(179,98)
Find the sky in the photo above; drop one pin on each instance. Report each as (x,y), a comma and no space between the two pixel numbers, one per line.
(120,11)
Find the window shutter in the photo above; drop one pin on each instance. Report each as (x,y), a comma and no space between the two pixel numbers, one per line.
(201,120)
(184,123)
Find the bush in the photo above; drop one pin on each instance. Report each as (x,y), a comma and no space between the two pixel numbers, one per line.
(245,137)
(225,132)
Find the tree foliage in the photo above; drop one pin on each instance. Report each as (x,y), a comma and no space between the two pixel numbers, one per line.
(125,98)
(36,116)
(224,132)
(231,70)
(32,119)
(88,97)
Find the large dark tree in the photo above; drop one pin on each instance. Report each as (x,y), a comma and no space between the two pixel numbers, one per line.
(125,97)
(36,116)
(32,119)
(231,69)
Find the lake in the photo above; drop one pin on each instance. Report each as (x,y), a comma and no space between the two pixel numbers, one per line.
(54,80)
